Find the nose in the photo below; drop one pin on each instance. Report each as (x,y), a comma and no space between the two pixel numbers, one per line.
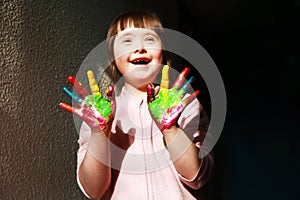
(140,48)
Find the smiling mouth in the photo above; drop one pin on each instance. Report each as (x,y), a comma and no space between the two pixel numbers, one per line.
(140,61)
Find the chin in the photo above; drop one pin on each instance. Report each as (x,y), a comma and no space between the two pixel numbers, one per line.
(139,82)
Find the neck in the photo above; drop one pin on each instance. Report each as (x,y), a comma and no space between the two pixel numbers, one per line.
(140,92)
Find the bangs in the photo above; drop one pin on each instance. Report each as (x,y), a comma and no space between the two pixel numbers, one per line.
(138,21)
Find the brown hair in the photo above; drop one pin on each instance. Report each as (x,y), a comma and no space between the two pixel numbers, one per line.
(137,19)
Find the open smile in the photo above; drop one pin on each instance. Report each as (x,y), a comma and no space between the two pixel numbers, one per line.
(140,61)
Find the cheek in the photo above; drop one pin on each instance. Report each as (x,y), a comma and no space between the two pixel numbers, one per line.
(158,56)
(117,53)
(120,59)
(120,64)
(122,51)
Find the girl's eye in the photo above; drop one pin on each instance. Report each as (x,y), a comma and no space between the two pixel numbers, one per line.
(150,39)
(126,41)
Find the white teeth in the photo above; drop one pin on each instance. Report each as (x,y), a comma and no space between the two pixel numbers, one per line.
(142,61)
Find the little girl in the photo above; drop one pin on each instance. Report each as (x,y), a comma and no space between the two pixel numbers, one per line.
(141,144)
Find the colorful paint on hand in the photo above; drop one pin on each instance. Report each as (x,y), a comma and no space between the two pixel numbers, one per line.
(162,103)
(100,104)
(93,109)
(169,103)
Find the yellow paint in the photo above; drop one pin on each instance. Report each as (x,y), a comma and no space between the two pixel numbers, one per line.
(164,84)
(93,83)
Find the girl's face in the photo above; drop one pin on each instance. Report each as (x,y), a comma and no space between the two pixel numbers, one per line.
(138,55)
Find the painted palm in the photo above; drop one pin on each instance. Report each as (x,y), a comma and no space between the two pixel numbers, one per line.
(166,104)
(95,110)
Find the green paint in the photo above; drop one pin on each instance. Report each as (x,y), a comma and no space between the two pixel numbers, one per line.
(160,105)
(102,105)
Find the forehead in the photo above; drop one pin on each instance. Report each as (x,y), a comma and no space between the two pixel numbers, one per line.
(136,32)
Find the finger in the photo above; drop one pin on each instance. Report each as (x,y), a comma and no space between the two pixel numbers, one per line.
(157,88)
(88,116)
(150,93)
(67,107)
(188,99)
(78,86)
(109,91)
(179,81)
(165,77)
(185,86)
(164,84)
(93,83)
(71,94)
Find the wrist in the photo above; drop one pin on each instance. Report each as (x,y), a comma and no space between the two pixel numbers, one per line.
(170,130)
(170,134)
(99,136)
(105,131)
(98,146)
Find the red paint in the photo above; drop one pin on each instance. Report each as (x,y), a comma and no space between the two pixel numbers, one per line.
(67,107)
(179,81)
(89,117)
(191,97)
(109,90)
(150,92)
(78,86)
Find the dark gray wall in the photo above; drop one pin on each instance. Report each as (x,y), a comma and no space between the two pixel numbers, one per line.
(42,42)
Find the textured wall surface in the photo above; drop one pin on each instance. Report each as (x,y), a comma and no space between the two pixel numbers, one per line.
(255,44)
(42,42)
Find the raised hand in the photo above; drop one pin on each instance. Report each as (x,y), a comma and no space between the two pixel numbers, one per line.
(166,104)
(95,110)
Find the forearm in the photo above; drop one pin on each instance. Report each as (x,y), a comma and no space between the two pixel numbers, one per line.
(94,172)
(183,152)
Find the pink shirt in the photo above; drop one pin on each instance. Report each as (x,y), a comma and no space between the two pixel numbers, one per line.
(141,164)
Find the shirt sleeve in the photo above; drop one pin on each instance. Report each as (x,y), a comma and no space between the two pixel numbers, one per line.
(194,122)
(84,136)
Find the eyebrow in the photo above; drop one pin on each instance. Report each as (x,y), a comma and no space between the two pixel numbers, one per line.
(132,34)
(126,34)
